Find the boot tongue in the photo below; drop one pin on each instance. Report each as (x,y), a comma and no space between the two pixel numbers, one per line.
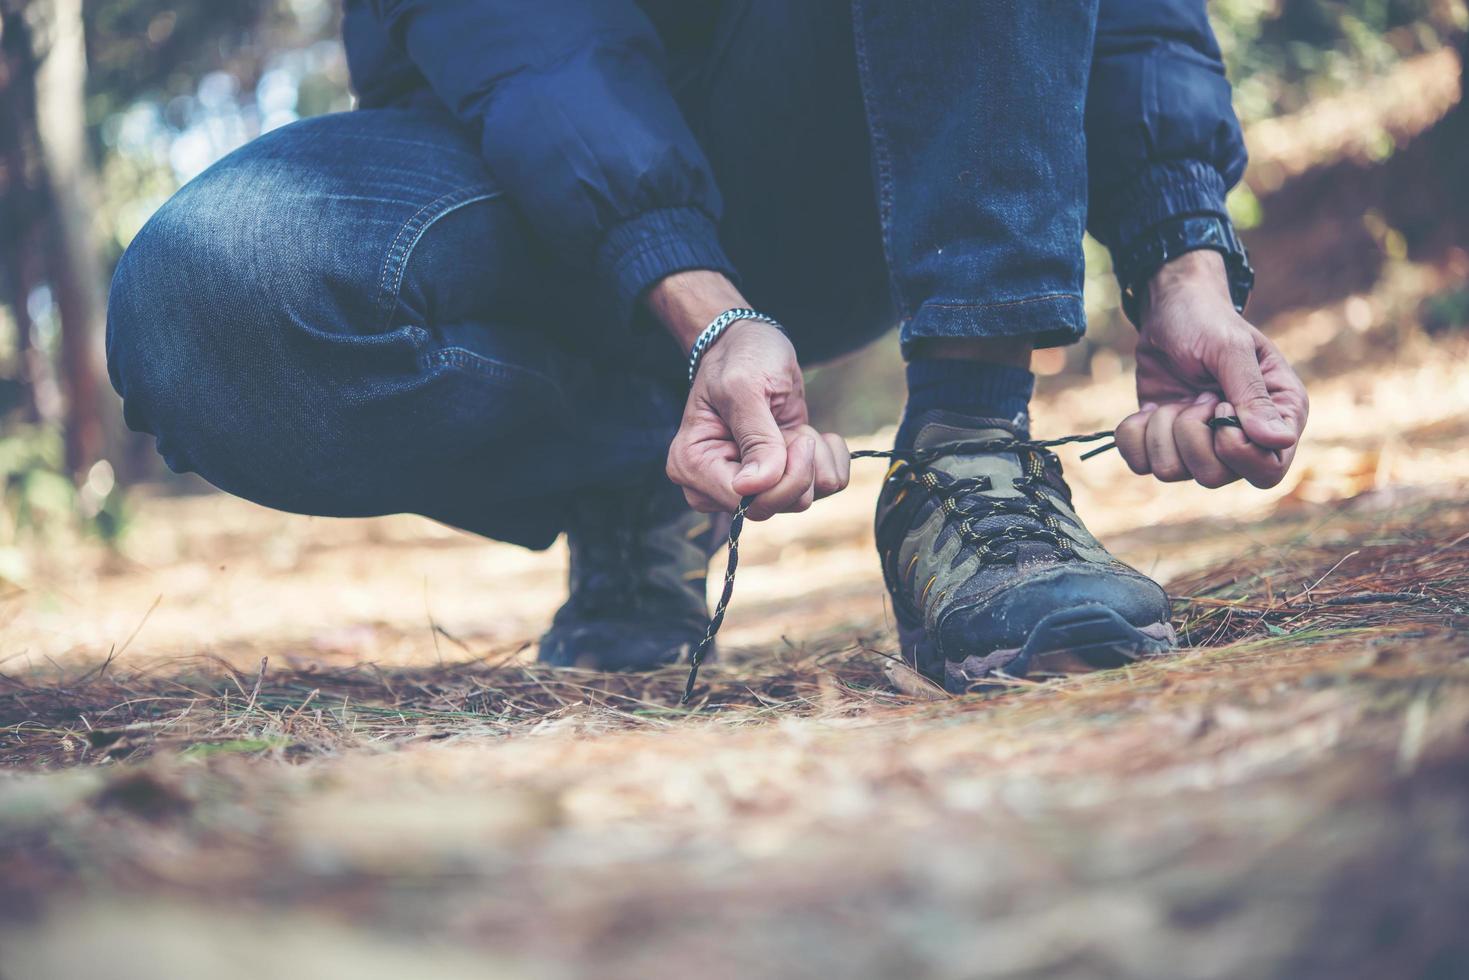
(940,428)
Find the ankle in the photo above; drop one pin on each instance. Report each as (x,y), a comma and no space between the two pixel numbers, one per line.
(975,389)
(1010,351)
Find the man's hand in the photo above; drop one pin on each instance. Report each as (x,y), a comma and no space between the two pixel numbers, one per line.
(744,428)
(1198,359)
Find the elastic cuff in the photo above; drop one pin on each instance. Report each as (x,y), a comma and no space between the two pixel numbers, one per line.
(1170,189)
(642,250)
(1052,319)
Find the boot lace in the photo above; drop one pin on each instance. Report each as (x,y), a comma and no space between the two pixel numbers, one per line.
(972,513)
(952,493)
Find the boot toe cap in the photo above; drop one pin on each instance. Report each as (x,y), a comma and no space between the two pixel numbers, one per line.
(1006,620)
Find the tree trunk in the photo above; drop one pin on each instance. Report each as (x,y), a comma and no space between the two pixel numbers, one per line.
(20,197)
(30,362)
(74,264)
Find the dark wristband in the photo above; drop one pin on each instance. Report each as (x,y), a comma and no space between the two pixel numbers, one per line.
(1168,240)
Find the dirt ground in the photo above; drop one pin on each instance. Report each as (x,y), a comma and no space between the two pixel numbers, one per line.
(255,744)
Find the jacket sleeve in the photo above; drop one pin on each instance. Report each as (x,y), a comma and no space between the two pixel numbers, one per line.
(1162,137)
(576,122)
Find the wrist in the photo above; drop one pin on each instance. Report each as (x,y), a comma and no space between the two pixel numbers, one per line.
(1198,272)
(709,339)
(685,303)
(1140,261)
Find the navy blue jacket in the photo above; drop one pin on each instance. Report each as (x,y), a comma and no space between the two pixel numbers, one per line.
(591,145)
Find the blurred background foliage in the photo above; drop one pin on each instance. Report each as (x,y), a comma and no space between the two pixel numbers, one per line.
(1282,54)
(108,106)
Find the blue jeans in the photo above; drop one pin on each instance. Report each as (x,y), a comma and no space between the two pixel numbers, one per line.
(347,317)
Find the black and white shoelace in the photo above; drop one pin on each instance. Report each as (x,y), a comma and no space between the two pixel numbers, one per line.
(917,457)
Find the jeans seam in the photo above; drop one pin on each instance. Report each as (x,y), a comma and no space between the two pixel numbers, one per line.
(390,281)
(512,375)
(1002,304)
(881,158)
(463,357)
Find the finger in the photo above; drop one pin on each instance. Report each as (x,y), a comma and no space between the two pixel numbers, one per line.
(1195,442)
(843,457)
(706,474)
(828,478)
(792,492)
(1287,456)
(1130,437)
(808,495)
(705,504)
(1163,456)
(1239,374)
(1287,390)
(761,444)
(1263,467)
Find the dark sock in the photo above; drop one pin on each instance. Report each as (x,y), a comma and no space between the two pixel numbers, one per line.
(977,389)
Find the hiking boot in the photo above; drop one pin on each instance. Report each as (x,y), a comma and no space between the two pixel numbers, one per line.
(992,572)
(639,560)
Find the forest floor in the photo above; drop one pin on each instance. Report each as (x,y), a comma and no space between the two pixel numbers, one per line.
(254,744)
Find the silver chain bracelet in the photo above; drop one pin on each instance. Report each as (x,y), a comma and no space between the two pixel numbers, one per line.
(720,324)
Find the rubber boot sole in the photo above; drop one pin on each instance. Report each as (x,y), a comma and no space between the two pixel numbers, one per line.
(1076,640)
(614,648)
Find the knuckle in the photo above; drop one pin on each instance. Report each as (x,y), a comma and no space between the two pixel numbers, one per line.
(730,384)
(1238,344)
(1266,480)
(761,449)
(1213,481)
(785,500)
(1239,462)
(742,382)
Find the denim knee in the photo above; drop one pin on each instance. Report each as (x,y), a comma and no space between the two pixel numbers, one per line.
(198,305)
(257,354)
(148,348)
